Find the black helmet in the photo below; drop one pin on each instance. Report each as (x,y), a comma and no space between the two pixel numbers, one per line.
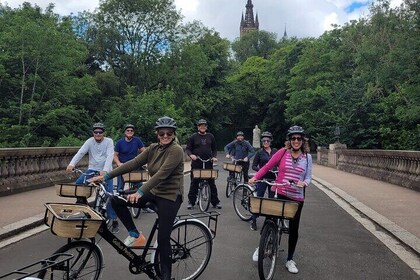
(296,130)
(98,125)
(202,121)
(239,133)
(129,126)
(267,134)
(165,122)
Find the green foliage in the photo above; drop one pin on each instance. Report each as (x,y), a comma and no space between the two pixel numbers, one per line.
(257,43)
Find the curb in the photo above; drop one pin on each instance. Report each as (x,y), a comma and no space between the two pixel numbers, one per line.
(410,240)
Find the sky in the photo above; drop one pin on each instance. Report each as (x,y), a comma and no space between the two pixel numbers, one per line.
(301,18)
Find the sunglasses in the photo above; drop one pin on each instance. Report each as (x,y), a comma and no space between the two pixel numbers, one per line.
(98,132)
(266,141)
(296,139)
(163,133)
(129,130)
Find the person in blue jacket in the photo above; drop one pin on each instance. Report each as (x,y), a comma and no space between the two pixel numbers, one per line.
(240,149)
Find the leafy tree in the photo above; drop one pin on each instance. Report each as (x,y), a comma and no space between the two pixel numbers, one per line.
(257,43)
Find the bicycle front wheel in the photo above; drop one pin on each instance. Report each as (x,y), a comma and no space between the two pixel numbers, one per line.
(267,254)
(87,262)
(191,244)
(241,196)
(204,197)
(135,211)
(230,186)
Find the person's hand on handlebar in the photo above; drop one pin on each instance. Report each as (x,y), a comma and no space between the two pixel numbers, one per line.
(245,159)
(99,178)
(227,156)
(252,181)
(133,198)
(214,159)
(193,157)
(69,168)
(301,184)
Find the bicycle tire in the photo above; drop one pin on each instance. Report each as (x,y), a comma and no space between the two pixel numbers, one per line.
(191,243)
(230,186)
(267,253)
(135,212)
(204,197)
(241,196)
(81,266)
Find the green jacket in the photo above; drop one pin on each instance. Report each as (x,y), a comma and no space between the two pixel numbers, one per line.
(166,168)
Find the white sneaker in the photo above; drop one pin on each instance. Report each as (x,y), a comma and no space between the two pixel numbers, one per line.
(255,255)
(291,266)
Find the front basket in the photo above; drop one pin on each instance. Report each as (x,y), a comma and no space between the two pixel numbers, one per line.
(273,207)
(205,173)
(232,167)
(72,220)
(136,176)
(73,190)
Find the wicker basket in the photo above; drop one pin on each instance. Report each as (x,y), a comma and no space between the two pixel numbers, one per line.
(205,173)
(61,218)
(73,190)
(232,167)
(273,207)
(136,176)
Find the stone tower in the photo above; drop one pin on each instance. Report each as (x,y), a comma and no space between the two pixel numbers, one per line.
(248,24)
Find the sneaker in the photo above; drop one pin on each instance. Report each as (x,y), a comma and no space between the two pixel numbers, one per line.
(131,241)
(115,227)
(189,206)
(217,206)
(291,266)
(253,225)
(255,255)
(148,210)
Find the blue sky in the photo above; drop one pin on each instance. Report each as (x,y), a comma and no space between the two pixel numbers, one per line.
(303,18)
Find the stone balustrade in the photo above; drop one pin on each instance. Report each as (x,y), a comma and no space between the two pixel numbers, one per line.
(397,167)
(30,168)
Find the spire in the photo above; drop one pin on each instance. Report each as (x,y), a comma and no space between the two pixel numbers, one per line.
(257,24)
(285,32)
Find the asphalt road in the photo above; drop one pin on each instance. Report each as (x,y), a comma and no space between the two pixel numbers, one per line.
(332,245)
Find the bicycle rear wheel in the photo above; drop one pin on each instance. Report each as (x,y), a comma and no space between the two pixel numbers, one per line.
(241,196)
(135,211)
(267,254)
(87,262)
(204,196)
(191,244)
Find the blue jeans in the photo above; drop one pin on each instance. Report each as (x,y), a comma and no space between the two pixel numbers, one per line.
(261,187)
(108,186)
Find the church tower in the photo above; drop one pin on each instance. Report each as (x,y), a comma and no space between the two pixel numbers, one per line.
(248,24)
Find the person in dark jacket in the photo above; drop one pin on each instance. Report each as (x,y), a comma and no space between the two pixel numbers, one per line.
(262,156)
(240,149)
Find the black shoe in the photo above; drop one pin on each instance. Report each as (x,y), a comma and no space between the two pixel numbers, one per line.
(190,206)
(217,206)
(253,225)
(115,227)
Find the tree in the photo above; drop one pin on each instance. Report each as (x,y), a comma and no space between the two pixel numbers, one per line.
(257,43)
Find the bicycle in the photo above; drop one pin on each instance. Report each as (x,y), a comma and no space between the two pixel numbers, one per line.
(241,197)
(133,179)
(235,175)
(276,211)
(191,242)
(204,192)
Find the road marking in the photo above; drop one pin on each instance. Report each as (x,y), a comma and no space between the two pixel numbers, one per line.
(395,245)
(22,235)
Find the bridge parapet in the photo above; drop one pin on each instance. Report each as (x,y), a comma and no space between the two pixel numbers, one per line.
(397,167)
(29,168)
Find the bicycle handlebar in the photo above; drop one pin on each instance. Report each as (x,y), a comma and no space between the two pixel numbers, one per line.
(205,160)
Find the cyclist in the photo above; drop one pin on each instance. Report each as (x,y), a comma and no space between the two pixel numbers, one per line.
(165,163)
(240,149)
(100,150)
(294,163)
(262,156)
(126,149)
(202,144)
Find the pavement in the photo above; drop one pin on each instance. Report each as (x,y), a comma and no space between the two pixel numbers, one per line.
(395,209)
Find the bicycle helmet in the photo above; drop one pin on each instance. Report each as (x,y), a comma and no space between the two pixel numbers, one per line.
(129,126)
(165,122)
(267,134)
(296,130)
(98,125)
(239,133)
(202,121)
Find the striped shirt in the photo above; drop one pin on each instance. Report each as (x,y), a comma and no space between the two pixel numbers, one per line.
(288,170)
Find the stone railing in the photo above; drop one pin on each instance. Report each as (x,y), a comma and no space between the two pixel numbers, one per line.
(397,167)
(30,168)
